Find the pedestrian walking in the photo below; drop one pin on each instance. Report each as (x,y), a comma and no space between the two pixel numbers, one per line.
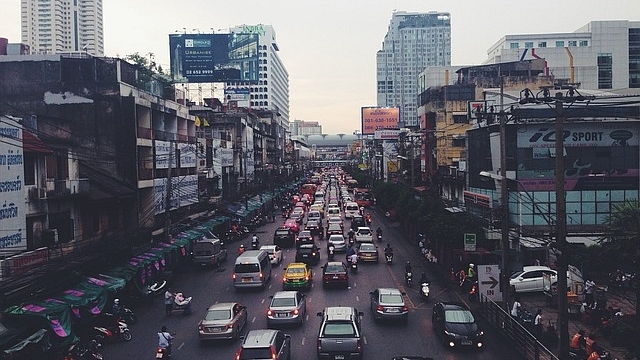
(168,301)
(537,323)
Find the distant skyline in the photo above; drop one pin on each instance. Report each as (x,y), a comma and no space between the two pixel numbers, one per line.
(329,47)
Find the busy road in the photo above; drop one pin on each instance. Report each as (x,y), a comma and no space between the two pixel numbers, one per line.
(381,340)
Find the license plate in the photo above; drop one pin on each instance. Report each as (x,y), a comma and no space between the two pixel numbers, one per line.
(339,357)
(466,342)
(282,314)
(246,279)
(215,330)
(305,255)
(393,310)
(159,355)
(335,276)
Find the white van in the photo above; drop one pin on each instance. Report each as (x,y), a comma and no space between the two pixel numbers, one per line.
(351,209)
(252,269)
(333,211)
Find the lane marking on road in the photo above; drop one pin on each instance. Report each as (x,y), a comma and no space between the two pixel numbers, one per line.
(357,298)
(364,338)
(262,302)
(302,341)
(181,345)
(253,320)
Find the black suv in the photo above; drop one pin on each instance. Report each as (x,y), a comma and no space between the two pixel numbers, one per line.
(315,227)
(340,335)
(357,221)
(456,326)
(284,237)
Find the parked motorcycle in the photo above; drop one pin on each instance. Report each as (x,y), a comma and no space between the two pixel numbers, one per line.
(128,316)
(113,332)
(84,351)
(424,291)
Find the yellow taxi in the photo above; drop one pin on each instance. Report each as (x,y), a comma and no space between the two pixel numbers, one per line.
(297,276)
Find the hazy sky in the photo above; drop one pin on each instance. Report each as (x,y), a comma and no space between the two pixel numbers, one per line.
(329,46)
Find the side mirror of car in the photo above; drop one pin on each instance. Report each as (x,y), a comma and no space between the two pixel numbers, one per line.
(270,296)
(319,313)
(360,314)
(370,292)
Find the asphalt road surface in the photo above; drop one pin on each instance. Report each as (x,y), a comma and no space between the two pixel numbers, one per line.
(382,340)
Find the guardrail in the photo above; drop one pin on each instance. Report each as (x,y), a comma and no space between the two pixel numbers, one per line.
(525,342)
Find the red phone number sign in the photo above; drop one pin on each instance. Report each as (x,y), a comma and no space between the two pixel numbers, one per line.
(377,118)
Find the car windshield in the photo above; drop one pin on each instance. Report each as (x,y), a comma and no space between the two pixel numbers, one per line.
(458,316)
(295,270)
(247,268)
(339,329)
(391,299)
(334,269)
(218,314)
(283,301)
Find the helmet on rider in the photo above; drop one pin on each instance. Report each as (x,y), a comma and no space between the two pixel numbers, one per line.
(408,263)
(471,265)
(116,301)
(241,246)
(388,246)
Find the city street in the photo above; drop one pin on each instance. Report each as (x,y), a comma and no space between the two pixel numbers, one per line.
(382,340)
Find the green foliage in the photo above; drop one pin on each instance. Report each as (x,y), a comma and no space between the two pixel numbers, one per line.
(622,242)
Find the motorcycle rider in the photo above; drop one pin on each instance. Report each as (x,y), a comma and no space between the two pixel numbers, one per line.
(255,242)
(407,271)
(353,259)
(368,218)
(164,340)
(578,344)
(331,250)
(379,232)
(116,308)
(388,251)
(241,249)
(423,278)
(351,234)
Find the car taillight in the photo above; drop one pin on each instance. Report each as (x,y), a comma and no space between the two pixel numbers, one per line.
(269,312)
(313,253)
(238,354)
(260,275)
(274,355)
(405,308)
(233,276)
(319,345)
(295,312)
(379,308)
(284,278)
(359,345)
(306,278)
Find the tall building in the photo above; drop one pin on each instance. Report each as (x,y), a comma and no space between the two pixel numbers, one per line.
(301,128)
(599,55)
(413,42)
(63,26)
(272,90)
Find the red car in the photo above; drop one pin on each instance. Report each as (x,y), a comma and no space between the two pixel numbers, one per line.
(335,273)
(293,224)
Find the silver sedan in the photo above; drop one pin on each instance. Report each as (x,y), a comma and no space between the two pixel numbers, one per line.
(223,321)
(287,307)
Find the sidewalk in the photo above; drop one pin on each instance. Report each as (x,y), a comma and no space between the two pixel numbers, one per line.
(534,301)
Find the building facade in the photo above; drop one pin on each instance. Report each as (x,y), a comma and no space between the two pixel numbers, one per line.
(301,128)
(272,90)
(599,55)
(63,26)
(413,42)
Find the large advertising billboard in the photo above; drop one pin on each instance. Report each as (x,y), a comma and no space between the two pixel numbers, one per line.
(379,118)
(207,58)
(13,233)
(602,155)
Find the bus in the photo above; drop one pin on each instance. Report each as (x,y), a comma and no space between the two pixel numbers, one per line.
(352,184)
(363,197)
(308,189)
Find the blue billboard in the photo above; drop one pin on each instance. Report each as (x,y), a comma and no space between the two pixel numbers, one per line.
(206,58)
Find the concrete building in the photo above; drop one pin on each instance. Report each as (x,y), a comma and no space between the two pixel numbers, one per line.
(63,26)
(599,55)
(272,90)
(301,127)
(413,42)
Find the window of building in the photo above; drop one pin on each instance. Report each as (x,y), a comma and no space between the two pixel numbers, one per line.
(542,44)
(460,119)
(514,45)
(573,43)
(559,43)
(584,43)
(605,71)
(528,44)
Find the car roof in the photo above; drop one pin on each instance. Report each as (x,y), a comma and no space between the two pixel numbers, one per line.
(339,313)
(268,247)
(297,265)
(536,268)
(363,228)
(306,246)
(334,263)
(336,236)
(258,338)
(222,306)
(389,291)
(285,294)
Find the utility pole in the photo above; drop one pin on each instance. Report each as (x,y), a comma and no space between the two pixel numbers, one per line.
(561,231)
(504,202)
(167,199)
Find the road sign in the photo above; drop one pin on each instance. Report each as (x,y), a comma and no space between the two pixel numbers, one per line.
(489,282)
(469,242)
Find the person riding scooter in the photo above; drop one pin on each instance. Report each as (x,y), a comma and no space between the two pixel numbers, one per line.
(255,242)
(388,253)
(331,251)
(164,340)
(379,233)
(241,249)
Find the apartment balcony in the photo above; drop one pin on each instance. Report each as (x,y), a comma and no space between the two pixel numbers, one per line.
(64,188)
(145,133)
